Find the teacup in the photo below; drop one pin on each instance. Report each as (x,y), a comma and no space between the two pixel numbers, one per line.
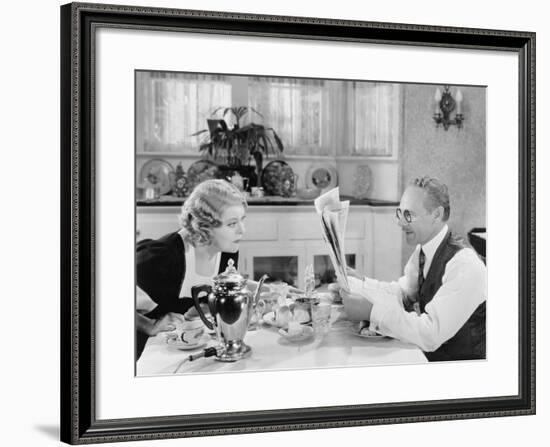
(302,306)
(188,334)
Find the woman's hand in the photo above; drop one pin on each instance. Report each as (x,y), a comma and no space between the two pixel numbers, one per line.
(166,323)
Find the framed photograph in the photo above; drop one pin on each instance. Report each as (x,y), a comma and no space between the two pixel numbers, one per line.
(396,139)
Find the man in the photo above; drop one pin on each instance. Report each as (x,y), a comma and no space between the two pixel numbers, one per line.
(439,303)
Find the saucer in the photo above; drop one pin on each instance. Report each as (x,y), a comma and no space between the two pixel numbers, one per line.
(306,334)
(375,336)
(178,344)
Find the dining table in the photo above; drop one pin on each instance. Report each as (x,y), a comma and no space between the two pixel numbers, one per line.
(338,344)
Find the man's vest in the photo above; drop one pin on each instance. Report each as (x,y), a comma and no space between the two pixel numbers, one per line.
(469,342)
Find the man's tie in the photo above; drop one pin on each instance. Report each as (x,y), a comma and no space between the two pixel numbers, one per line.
(421,262)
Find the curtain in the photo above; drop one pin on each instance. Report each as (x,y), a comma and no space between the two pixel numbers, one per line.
(172,106)
(322,117)
(375,108)
(297,109)
(312,117)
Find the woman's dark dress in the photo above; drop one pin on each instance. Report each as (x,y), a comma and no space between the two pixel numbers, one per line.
(160,270)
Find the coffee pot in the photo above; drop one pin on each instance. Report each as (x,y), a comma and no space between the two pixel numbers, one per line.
(231,306)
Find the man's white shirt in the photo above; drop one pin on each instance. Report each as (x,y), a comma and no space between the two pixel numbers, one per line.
(463,289)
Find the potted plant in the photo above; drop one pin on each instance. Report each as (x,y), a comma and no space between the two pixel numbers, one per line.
(234,148)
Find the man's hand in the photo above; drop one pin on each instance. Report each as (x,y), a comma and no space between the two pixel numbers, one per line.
(357,307)
(353,273)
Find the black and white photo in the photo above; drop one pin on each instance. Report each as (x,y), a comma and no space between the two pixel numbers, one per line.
(218,180)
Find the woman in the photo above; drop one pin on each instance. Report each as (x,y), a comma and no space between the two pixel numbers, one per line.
(212,226)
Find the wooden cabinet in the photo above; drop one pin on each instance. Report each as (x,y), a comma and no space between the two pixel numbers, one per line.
(287,238)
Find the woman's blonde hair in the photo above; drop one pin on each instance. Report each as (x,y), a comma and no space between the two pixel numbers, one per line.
(203,209)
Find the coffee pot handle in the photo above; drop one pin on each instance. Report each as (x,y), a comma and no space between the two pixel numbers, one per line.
(195,292)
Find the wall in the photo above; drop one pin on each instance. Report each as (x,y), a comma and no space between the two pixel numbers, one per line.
(455,156)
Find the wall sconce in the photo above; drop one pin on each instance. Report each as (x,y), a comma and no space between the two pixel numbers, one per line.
(444,105)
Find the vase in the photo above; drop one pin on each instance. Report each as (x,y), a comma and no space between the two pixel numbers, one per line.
(362,181)
(247,173)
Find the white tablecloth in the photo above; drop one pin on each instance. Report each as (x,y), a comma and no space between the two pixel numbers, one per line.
(340,346)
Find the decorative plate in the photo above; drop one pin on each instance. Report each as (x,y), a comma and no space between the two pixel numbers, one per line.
(158,172)
(278,179)
(200,171)
(322,176)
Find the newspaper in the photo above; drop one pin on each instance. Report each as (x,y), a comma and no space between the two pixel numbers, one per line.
(334,215)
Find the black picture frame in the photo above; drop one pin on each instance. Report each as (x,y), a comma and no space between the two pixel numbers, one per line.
(78,421)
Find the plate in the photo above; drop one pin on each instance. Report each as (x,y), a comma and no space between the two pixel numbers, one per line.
(200,171)
(306,334)
(278,179)
(158,172)
(376,336)
(322,176)
(175,343)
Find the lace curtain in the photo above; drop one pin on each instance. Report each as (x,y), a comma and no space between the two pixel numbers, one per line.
(173,106)
(375,111)
(312,117)
(316,117)
(297,110)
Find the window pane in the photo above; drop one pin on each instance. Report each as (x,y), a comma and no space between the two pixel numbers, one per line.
(376,111)
(324,271)
(327,117)
(173,106)
(279,268)
(293,107)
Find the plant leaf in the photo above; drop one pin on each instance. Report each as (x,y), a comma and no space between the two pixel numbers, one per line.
(216,110)
(278,141)
(256,112)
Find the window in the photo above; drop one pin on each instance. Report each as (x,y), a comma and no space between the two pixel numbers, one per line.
(294,108)
(279,268)
(375,108)
(173,106)
(326,117)
(313,117)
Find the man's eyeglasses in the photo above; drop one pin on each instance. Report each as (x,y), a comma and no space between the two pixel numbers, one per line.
(405,214)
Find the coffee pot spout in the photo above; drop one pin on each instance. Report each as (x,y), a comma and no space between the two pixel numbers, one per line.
(257,294)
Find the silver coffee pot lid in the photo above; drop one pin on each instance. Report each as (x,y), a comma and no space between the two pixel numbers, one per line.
(231,277)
